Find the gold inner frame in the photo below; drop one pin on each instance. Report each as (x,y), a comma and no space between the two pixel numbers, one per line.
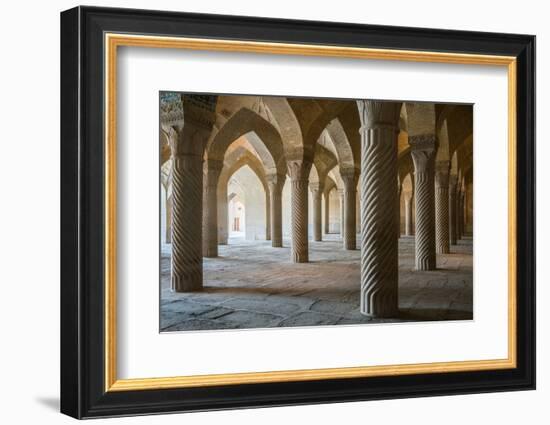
(113,41)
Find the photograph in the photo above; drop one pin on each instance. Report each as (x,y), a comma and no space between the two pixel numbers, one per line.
(315,211)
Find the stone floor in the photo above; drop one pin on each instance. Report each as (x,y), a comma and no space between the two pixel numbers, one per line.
(252,285)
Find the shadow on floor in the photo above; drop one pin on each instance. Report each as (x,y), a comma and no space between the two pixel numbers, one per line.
(427,314)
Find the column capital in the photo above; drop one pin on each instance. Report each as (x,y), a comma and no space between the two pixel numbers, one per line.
(379,114)
(350,177)
(317,188)
(442,173)
(426,142)
(423,150)
(195,126)
(299,169)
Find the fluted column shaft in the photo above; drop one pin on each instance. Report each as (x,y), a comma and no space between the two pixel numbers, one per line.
(210,214)
(317,195)
(379,261)
(452,211)
(408,216)
(442,208)
(423,153)
(275,184)
(299,172)
(350,196)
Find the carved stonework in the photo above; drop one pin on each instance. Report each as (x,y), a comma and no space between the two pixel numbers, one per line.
(442,207)
(275,183)
(379,114)
(186,224)
(349,177)
(379,265)
(299,173)
(452,210)
(317,195)
(213,169)
(424,206)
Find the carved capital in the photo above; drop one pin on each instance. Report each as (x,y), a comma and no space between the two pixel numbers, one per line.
(423,157)
(298,169)
(194,130)
(375,114)
(442,173)
(316,188)
(423,142)
(350,178)
(275,182)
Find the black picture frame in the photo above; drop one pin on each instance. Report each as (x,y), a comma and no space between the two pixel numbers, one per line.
(83,392)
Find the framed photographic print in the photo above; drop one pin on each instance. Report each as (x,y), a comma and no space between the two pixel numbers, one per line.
(261,212)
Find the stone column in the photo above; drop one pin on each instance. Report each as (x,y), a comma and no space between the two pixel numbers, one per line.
(327,212)
(408,216)
(379,261)
(398,212)
(213,169)
(452,211)
(423,154)
(267,216)
(275,183)
(223,231)
(442,207)
(460,214)
(349,177)
(317,195)
(169,219)
(187,150)
(299,172)
(341,198)
(358,214)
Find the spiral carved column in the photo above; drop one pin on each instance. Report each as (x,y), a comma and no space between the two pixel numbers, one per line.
(350,194)
(317,195)
(379,264)
(190,132)
(275,183)
(452,210)
(210,218)
(299,172)
(187,223)
(442,208)
(408,216)
(423,153)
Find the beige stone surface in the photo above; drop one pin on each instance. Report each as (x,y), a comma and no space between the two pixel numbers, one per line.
(253,285)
